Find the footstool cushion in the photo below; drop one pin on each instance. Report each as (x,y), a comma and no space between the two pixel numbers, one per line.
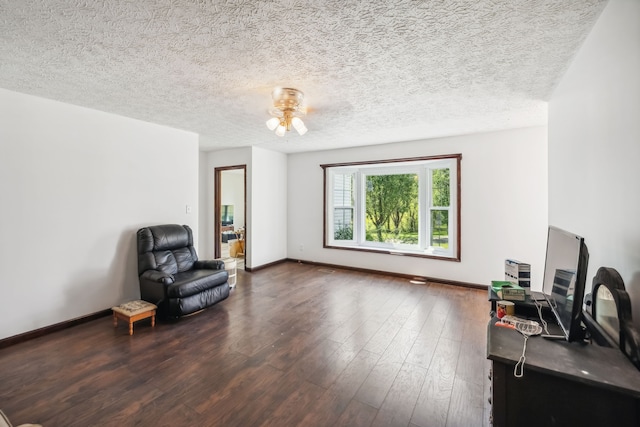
(4,422)
(133,311)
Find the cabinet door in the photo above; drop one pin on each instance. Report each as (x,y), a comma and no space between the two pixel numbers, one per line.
(498,394)
(538,399)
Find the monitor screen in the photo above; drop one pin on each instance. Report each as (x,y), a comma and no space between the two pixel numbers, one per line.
(564,279)
(226,214)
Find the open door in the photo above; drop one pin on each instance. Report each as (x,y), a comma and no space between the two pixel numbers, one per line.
(230,212)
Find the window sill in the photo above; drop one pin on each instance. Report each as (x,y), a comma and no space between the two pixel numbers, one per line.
(393,252)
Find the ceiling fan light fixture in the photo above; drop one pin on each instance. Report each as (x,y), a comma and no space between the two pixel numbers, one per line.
(298,124)
(287,109)
(273,123)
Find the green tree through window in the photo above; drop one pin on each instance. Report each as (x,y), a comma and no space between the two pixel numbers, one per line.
(389,201)
(441,193)
(440,201)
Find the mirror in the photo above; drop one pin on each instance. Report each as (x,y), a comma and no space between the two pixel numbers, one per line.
(607,313)
(609,321)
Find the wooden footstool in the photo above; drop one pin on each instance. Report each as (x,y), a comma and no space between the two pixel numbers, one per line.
(133,311)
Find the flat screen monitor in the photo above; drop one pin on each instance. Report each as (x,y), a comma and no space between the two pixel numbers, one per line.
(226,214)
(564,280)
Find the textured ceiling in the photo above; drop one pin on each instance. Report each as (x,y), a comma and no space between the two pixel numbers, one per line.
(372,71)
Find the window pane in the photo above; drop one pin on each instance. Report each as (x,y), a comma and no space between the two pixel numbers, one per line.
(343,199)
(343,190)
(391,207)
(440,228)
(343,224)
(440,187)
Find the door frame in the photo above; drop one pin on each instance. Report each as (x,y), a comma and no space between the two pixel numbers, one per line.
(217,227)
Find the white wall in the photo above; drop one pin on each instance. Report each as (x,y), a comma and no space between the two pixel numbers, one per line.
(209,160)
(594,146)
(75,185)
(266,221)
(205,247)
(504,205)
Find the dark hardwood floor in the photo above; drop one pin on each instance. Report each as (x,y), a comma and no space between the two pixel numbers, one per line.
(294,344)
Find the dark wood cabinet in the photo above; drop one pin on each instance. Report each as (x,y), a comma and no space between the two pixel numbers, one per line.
(564,384)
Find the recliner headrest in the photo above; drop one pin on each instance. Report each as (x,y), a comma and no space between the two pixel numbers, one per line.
(164,237)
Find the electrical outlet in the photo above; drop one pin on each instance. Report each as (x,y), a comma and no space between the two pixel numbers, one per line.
(301,248)
(188,209)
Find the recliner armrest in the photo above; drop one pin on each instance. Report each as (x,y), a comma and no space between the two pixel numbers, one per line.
(158,276)
(210,264)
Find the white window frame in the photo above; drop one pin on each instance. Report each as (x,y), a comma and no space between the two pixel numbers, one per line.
(332,207)
(420,166)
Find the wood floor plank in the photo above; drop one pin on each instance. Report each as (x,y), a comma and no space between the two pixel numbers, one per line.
(436,320)
(330,406)
(357,414)
(229,407)
(470,365)
(413,298)
(351,379)
(294,344)
(112,406)
(275,400)
(383,337)
(399,403)
(422,350)
(152,415)
(316,359)
(466,407)
(453,327)
(327,373)
(248,381)
(364,333)
(379,382)
(68,395)
(401,345)
(203,381)
(295,406)
(433,403)
(377,385)
(420,313)
(256,338)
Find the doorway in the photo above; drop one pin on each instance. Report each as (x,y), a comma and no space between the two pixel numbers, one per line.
(230,213)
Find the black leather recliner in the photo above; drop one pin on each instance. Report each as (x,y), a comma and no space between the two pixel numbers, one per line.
(171,275)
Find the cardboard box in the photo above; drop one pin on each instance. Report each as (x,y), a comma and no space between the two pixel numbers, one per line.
(507,290)
(518,273)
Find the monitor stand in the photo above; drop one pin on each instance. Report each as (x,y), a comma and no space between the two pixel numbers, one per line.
(553,337)
(537,296)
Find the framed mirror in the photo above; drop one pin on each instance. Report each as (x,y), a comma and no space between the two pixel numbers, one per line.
(606,312)
(608,315)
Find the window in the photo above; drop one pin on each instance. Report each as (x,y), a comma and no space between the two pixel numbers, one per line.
(405,206)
